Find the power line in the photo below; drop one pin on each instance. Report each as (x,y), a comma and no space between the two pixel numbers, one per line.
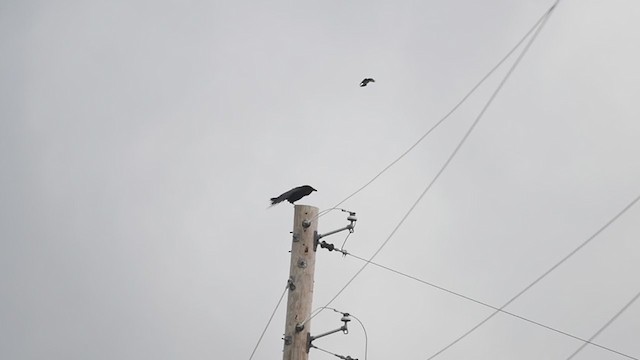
(538,280)
(366,338)
(605,326)
(494,307)
(325,211)
(445,117)
(427,283)
(269,322)
(527,46)
(451,156)
(334,354)
(345,240)
(326,351)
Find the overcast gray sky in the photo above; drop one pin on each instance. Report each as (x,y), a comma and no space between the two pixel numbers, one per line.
(140,142)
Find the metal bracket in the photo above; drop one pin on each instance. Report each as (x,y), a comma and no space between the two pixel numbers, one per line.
(345,319)
(352,224)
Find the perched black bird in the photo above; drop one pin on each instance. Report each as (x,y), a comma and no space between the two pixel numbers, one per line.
(294,194)
(366,81)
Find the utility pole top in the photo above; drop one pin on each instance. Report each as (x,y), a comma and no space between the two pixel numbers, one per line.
(301,273)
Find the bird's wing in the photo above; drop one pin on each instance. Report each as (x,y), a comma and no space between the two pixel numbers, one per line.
(366,81)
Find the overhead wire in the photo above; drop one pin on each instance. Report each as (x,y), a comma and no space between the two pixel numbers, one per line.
(606,325)
(556,265)
(585,341)
(269,322)
(345,240)
(445,117)
(366,337)
(326,351)
(325,211)
(515,64)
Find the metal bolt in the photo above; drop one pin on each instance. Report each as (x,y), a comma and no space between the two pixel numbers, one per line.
(288,340)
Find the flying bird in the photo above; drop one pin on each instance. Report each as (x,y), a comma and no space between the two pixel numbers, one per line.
(293,195)
(366,81)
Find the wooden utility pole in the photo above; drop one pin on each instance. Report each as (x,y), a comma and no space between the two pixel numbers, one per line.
(303,261)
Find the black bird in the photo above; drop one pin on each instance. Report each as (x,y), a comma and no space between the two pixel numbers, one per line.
(294,194)
(366,81)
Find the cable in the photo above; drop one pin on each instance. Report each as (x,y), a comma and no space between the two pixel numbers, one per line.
(345,240)
(366,338)
(455,107)
(269,322)
(540,278)
(524,51)
(334,354)
(493,307)
(323,350)
(605,326)
(326,211)
(452,155)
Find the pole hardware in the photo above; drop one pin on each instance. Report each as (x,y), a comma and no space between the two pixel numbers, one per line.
(345,319)
(287,340)
(352,224)
(345,330)
(346,357)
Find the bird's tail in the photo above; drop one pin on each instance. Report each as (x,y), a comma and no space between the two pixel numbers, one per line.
(276,200)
